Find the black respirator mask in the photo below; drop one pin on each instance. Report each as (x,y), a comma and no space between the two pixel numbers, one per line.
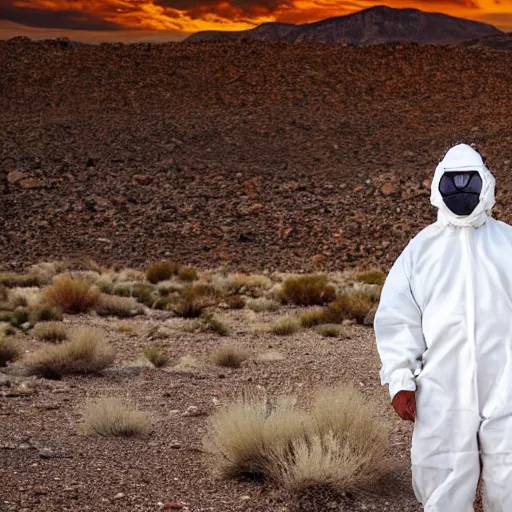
(461,191)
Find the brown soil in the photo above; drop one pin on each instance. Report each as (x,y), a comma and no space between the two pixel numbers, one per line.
(47,464)
(254,155)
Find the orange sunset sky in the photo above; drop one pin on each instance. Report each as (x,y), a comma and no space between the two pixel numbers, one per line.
(160,20)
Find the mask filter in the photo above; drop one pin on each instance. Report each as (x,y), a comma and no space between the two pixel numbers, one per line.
(461,191)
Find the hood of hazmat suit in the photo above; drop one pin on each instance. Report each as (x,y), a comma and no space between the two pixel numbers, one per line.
(444,330)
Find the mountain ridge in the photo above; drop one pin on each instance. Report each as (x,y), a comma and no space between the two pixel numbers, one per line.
(375,25)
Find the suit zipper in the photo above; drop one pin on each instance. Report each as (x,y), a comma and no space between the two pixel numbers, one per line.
(470,305)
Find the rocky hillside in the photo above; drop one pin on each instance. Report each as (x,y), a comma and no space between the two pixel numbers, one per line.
(255,155)
(375,25)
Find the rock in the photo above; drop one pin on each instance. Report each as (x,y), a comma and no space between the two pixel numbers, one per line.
(256,208)
(245,497)
(141,179)
(388,189)
(171,505)
(359,188)
(317,258)
(5,380)
(119,496)
(31,183)
(193,411)
(14,177)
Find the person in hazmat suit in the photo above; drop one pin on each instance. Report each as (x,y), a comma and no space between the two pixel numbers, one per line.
(444,336)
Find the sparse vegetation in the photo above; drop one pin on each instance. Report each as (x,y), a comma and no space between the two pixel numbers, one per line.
(329,330)
(312,317)
(285,326)
(254,285)
(12,280)
(19,317)
(339,443)
(187,274)
(144,294)
(113,417)
(54,332)
(8,331)
(71,295)
(352,306)
(373,276)
(45,314)
(109,305)
(261,305)
(229,356)
(161,271)
(156,355)
(194,299)
(308,290)
(87,352)
(9,350)
(214,324)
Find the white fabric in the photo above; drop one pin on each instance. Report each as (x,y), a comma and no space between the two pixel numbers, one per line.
(444,329)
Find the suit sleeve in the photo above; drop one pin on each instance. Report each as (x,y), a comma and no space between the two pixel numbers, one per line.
(398,330)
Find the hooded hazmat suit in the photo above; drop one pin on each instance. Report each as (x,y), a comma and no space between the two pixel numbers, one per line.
(444,330)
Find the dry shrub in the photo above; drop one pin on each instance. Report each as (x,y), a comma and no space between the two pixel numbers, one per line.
(329,330)
(235,302)
(285,326)
(156,356)
(249,284)
(308,290)
(339,443)
(194,299)
(161,271)
(12,280)
(87,352)
(19,317)
(187,364)
(215,325)
(373,276)
(114,417)
(71,295)
(47,270)
(45,314)
(109,305)
(352,306)
(9,350)
(312,317)
(229,356)
(54,332)
(187,274)
(271,356)
(261,305)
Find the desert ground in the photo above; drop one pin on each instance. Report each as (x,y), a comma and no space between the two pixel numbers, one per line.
(251,163)
(51,462)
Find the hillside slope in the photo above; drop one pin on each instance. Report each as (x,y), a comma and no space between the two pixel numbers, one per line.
(254,155)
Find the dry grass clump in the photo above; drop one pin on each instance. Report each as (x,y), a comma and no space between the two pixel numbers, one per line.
(87,352)
(214,324)
(113,417)
(229,356)
(312,317)
(109,305)
(71,295)
(9,350)
(156,355)
(339,443)
(187,274)
(285,326)
(12,280)
(47,270)
(161,271)
(194,299)
(308,290)
(254,285)
(261,305)
(187,364)
(373,276)
(19,317)
(54,332)
(9,301)
(352,306)
(329,330)
(45,314)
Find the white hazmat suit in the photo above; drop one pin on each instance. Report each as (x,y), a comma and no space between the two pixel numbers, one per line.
(444,330)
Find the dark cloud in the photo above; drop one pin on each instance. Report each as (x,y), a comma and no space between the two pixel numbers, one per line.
(69,19)
(246,7)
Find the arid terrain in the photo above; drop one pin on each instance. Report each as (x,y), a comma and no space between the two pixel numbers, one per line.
(259,156)
(49,463)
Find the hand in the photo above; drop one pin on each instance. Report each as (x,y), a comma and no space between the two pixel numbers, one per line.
(404,403)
